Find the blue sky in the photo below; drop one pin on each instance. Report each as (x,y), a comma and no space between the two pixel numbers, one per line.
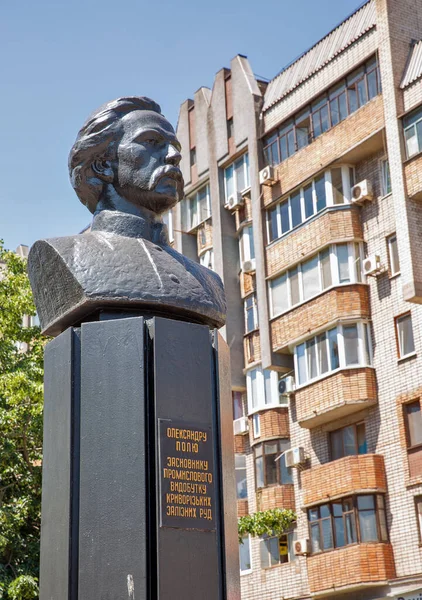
(61,59)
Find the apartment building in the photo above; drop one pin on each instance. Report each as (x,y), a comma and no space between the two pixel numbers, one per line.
(304,193)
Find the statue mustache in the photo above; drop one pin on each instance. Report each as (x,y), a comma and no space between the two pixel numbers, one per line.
(166,171)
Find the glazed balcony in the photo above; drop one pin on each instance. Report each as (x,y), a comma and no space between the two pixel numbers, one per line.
(348,475)
(353,139)
(335,304)
(276,496)
(274,423)
(332,225)
(413,177)
(344,392)
(352,567)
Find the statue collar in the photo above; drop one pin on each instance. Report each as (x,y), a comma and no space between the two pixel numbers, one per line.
(126,225)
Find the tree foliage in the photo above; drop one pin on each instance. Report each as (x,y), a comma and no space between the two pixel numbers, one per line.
(270,522)
(21,396)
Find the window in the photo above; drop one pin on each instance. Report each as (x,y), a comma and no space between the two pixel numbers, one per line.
(245,555)
(413,424)
(385,177)
(197,208)
(393,254)
(328,189)
(404,331)
(246,245)
(268,470)
(251,314)
(348,521)
(262,386)
(276,550)
(412,125)
(230,128)
(236,176)
(348,441)
(207,259)
(168,220)
(256,425)
(418,506)
(325,112)
(192,156)
(238,411)
(339,264)
(338,348)
(240,471)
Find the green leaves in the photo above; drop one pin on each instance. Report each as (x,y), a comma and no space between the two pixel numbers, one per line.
(21,402)
(270,522)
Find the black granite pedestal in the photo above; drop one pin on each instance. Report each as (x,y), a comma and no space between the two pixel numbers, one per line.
(138,474)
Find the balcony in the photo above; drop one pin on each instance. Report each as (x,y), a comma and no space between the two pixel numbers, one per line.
(242,508)
(332,225)
(351,474)
(352,567)
(240,444)
(252,348)
(204,235)
(247,283)
(413,177)
(276,496)
(353,139)
(340,394)
(337,303)
(274,423)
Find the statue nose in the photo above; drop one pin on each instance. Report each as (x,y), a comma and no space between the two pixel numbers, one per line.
(173,156)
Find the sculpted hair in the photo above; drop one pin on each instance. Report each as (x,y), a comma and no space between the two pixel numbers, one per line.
(98,140)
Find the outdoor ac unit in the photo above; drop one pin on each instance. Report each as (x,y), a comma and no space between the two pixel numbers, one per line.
(240,426)
(302,547)
(362,191)
(286,385)
(295,457)
(372,265)
(249,266)
(234,201)
(266,175)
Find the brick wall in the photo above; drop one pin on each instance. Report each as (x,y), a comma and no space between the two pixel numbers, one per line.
(337,303)
(274,423)
(247,284)
(276,496)
(351,474)
(204,236)
(344,392)
(326,228)
(252,348)
(413,176)
(241,444)
(242,508)
(354,565)
(327,148)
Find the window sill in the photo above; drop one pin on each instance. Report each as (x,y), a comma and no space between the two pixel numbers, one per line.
(385,196)
(248,333)
(407,357)
(242,573)
(329,550)
(413,157)
(289,562)
(326,375)
(394,275)
(266,407)
(196,227)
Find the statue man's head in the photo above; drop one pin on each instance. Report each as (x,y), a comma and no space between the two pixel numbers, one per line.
(126,157)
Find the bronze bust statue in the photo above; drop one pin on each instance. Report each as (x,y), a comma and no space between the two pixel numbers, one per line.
(124,168)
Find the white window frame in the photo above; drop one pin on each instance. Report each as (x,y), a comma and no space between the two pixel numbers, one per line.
(329,195)
(168,220)
(334,268)
(391,255)
(384,164)
(291,537)
(246,235)
(397,319)
(255,313)
(246,474)
(207,259)
(194,199)
(246,571)
(363,330)
(245,159)
(262,403)
(413,126)
(256,422)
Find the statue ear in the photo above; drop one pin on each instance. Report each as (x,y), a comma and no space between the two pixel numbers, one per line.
(102,168)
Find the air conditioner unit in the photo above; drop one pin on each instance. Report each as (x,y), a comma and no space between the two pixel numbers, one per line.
(295,457)
(286,385)
(249,266)
(266,176)
(372,265)
(302,547)
(234,201)
(240,426)
(362,191)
